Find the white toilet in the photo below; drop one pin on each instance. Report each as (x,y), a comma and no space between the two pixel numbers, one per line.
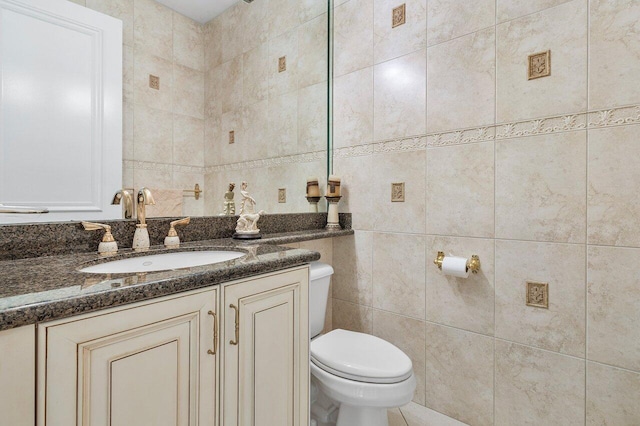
(355,377)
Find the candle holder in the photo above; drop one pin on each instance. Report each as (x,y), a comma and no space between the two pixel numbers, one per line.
(313,204)
(333,220)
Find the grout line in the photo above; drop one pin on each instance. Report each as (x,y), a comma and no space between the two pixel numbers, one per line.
(403,417)
(441,413)
(532,13)
(549,351)
(426,183)
(440,43)
(614,366)
(586,220)
(495,226)
(504,239)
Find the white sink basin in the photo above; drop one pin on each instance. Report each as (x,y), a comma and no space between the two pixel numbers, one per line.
(162,262)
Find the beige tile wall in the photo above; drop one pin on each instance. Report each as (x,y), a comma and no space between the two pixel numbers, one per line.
(220,77)
(163,144)
(279,119)
(537,177)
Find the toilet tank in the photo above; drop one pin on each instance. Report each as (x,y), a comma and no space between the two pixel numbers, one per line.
(319,280)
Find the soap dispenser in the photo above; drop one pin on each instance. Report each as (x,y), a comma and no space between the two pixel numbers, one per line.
(172,240)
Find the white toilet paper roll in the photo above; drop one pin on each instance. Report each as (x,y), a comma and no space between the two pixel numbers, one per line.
(455,266)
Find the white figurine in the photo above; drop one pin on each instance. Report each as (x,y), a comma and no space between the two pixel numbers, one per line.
(248,203)
(247,225)
(229,204)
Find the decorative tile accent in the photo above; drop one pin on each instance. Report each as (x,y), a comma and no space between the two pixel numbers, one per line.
(539,65)
(146,165)
(615,116)
(353,151)
(460,137)
(154,82)
(538,294)
(282,64)
(542,126)
(399,15)
(268,162)
(414,143)
(162,167)
(562,327)
(232,137)
(177,168)
(282,195)
(397,192)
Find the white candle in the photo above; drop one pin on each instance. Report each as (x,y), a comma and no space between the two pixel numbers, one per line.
(333,187)
(313,189)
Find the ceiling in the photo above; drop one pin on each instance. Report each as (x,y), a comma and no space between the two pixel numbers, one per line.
(199,10)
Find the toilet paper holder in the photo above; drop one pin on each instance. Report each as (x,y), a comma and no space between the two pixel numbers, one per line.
(473,264)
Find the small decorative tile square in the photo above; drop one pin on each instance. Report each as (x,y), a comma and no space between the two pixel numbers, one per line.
(282,195)
(399,15)
(154,82)
(539,65)
(397,192)
(232,137)
(538,294)
(282,64)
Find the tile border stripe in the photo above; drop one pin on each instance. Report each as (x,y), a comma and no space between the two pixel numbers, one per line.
(308,157)
(619,116)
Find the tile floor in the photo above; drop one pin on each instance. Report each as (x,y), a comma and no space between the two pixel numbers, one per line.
(413,414)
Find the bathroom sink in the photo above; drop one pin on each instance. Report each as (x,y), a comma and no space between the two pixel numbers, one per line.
(162,262)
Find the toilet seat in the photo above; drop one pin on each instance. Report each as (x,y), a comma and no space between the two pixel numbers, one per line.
(360,357)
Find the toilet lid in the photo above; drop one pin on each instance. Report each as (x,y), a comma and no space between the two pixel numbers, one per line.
(361,357)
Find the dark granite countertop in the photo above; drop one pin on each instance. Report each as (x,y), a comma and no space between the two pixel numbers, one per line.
(45,288)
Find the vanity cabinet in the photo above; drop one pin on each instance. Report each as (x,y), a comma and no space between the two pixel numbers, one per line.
(153,364)
(265,356)
(231,355)
(18,376)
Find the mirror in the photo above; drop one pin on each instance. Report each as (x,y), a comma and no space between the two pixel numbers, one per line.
(242,97)
(267,102)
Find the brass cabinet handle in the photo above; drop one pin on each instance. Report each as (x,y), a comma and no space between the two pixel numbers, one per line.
(235,308)
(215,333)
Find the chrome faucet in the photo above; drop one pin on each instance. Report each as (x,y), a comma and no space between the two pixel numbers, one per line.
(127,196)
(141,236)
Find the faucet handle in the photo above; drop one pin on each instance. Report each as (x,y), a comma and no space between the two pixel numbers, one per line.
(108,245)
(172,240)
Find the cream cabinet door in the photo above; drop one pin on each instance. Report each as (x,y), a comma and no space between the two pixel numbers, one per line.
(148,365)
(18,376)
(265,364)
